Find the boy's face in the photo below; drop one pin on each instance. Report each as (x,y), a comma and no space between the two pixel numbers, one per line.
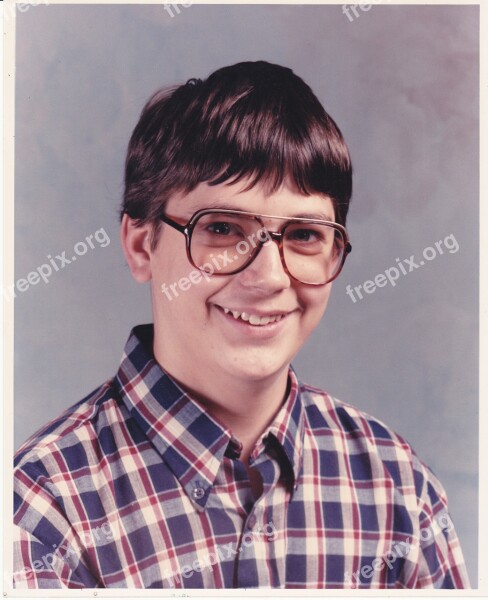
(194,335)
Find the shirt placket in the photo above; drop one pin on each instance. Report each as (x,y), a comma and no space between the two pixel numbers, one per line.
(261,550)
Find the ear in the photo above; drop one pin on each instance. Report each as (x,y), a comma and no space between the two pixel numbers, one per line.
(136,245)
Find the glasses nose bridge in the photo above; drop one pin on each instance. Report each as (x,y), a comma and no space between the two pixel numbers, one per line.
(276,236)
(270,236)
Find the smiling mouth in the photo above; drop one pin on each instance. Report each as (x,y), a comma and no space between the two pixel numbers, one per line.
(253,319)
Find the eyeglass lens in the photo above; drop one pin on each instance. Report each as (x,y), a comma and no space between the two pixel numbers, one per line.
(225,243)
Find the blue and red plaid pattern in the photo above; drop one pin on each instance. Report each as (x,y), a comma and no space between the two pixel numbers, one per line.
(137,486)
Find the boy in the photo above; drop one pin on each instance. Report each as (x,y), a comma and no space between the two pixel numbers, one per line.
(205,463)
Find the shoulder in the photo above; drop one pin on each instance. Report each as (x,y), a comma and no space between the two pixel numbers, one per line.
(367,441)
(80,422)
(347,418)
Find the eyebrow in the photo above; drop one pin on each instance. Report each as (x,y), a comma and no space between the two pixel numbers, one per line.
(223,205)
(317,216)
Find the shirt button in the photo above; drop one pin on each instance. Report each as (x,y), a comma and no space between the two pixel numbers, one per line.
(198,493)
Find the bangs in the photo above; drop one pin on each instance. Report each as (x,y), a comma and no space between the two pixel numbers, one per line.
(252,122)
(267,141)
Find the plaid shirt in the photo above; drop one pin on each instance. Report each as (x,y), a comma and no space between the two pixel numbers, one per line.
(138,486)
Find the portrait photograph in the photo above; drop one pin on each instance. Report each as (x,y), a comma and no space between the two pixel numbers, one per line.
(241,296)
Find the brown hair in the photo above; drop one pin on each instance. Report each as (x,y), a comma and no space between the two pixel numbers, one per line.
(251,120)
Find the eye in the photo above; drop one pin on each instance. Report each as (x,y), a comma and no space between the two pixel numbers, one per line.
(218,232)
(221,228)
(305,235)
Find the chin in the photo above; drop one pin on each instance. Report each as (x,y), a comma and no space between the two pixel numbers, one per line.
(256,368)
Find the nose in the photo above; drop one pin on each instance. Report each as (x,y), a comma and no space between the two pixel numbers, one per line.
(266,272)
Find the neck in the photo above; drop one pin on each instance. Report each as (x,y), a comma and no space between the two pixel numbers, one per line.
(246,407)
(250,410)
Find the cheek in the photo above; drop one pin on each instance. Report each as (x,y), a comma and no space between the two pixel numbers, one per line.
(314,302)
(169,267)
(315,298)
(181,293)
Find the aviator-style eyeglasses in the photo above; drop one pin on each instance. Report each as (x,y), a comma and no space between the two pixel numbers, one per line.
(225,242)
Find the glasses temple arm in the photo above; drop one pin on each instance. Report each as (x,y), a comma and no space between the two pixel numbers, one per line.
(174,224)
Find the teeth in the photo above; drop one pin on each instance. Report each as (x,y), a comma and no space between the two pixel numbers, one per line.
(253,319)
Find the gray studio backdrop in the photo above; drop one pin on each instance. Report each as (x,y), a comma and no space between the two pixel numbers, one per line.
(401,82)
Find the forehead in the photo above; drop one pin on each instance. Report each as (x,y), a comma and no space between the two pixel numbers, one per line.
(287,201)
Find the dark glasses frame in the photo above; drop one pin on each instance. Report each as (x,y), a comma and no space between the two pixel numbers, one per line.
(277,236)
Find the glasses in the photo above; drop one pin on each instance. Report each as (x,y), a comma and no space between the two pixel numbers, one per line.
(225,242)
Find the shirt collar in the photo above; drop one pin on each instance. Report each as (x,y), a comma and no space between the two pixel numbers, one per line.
(191,442)
(286,432)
